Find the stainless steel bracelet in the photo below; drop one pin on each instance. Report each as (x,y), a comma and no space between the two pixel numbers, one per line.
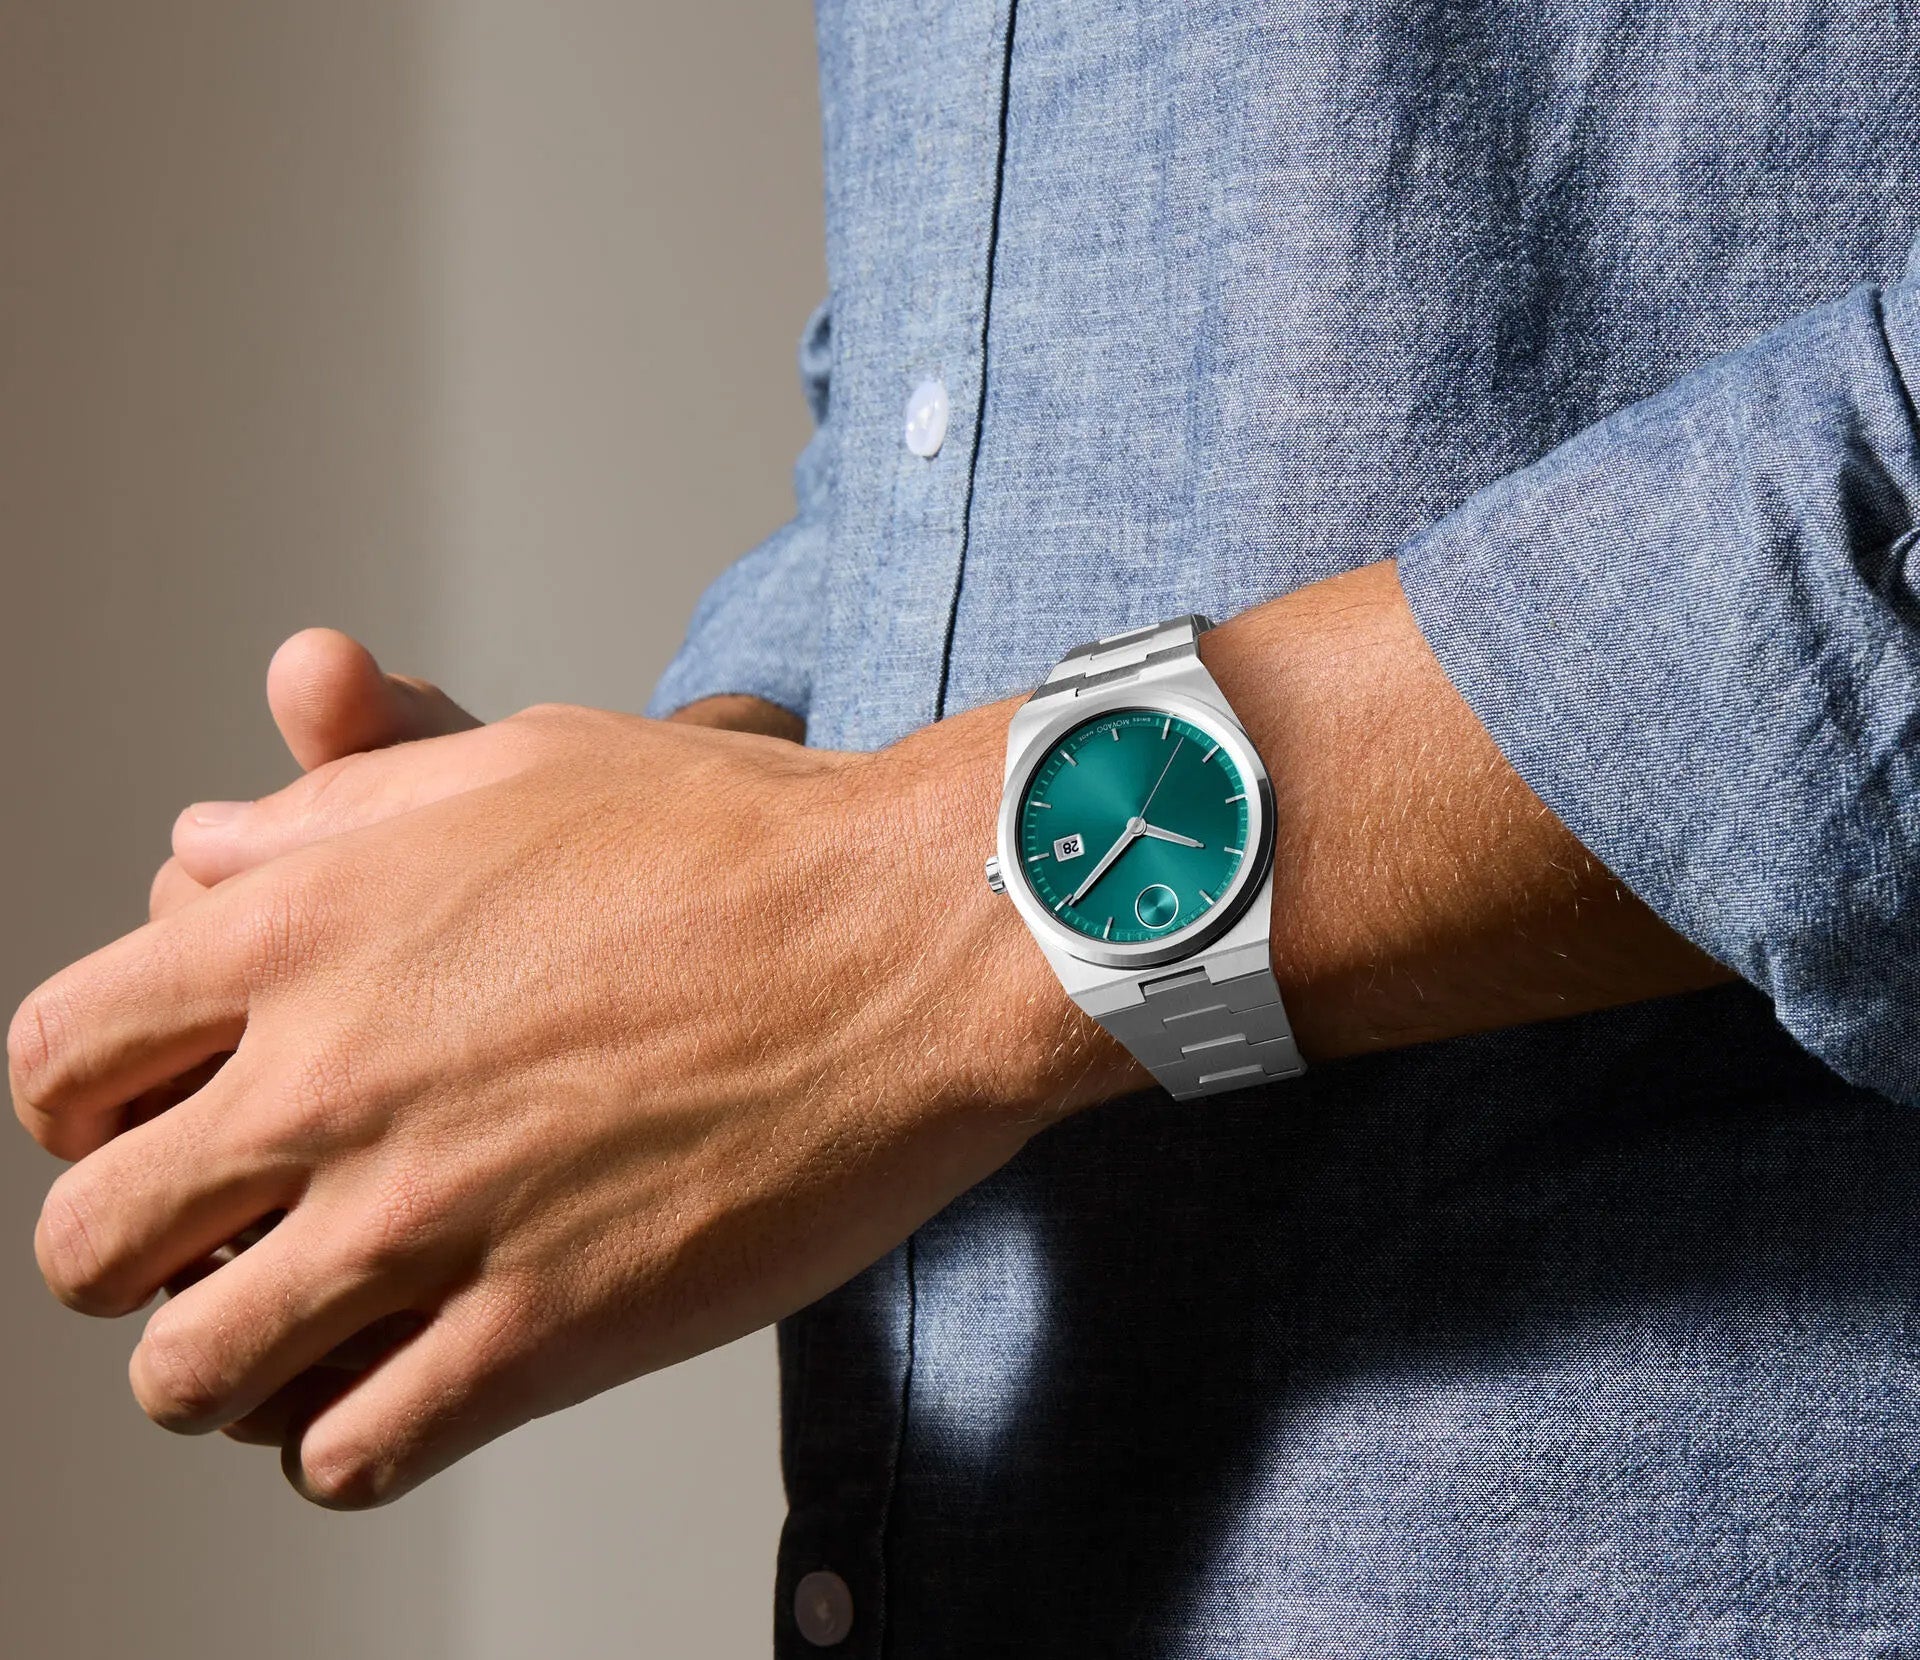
(1122,657)
(1199,1035)
(1212,1024)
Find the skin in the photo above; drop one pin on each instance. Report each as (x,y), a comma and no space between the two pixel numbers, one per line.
(577,1044)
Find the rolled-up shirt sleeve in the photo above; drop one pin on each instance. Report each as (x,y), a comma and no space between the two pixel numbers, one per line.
(1694,630)
(756,629)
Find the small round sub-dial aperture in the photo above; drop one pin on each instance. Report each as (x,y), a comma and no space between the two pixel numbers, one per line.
(1133,825)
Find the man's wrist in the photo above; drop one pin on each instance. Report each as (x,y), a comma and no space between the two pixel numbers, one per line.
(1003,1033)
(1421,891)
(981,1022)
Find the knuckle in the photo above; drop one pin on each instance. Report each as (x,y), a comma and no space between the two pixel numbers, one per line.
(537,729)
(176,1378)
(406,1220)
(318,1108)
(506,1326)
(36,1043)
(171,889)
(68,1245)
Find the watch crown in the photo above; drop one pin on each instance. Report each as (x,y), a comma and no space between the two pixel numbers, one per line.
(994,879)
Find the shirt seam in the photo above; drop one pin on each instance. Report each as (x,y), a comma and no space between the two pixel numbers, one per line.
(986,332)
(899,1436)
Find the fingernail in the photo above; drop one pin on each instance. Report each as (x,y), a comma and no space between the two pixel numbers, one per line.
(210,813)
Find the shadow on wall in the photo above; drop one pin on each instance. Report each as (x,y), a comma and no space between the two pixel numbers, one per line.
(211,309)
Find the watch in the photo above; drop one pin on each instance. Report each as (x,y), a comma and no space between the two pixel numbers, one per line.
(1136,842)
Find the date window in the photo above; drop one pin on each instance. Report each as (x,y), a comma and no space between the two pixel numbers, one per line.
(1068,847)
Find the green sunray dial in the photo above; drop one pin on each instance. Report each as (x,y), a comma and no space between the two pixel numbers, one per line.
(1133,826)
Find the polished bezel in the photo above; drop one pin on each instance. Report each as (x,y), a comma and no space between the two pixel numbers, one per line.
(1037,743)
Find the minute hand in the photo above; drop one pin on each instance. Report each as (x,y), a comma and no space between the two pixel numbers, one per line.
(1135,829)
(1141,820)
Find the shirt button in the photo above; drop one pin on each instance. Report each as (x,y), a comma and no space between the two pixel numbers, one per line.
(927,412)
(823,1608)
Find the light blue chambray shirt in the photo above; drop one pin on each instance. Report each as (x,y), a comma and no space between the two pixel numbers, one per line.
(1592,1338)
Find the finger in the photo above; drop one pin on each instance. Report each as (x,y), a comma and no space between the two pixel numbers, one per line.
(150,1205)
(286,1410)
(151,1103)
(133,1016)
(217,840)
(463,1380)
(173,889)
(330,699)
(268,1424)
(233,1340)
(221,1255)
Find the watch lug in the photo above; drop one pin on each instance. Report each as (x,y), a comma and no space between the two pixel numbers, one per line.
(1083,980)
(1021,731)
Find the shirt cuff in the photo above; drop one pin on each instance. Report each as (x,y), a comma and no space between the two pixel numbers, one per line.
(754,631)
(1692,631)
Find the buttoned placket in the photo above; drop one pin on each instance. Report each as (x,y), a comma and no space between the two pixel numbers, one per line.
(910,332)
(909,383)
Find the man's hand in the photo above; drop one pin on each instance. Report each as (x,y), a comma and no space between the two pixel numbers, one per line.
(329,699)
(605,1041)
(575,1044)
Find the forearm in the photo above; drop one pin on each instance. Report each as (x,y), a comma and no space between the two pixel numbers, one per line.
(1421,890)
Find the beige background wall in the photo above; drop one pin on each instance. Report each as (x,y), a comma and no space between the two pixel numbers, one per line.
(466,325)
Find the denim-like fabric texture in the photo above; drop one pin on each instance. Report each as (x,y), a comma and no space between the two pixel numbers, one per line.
(1693,630)
(757,630)
(1594,1338)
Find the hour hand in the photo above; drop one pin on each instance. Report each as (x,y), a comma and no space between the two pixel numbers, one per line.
(1157,834)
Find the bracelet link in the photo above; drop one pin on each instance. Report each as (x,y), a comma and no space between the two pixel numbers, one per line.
(1123,657)
(1199,1036)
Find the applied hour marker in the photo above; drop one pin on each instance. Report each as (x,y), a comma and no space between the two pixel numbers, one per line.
(1166,729)
(1116,733)
(1061,905)
(1045,805)
(1233,798)
(1035,858)
(1236,851)
(1206,896)
(1068,759)
(1106,933)
(1204,759)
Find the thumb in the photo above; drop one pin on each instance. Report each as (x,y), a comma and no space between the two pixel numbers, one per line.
(330,699)
(213,840)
